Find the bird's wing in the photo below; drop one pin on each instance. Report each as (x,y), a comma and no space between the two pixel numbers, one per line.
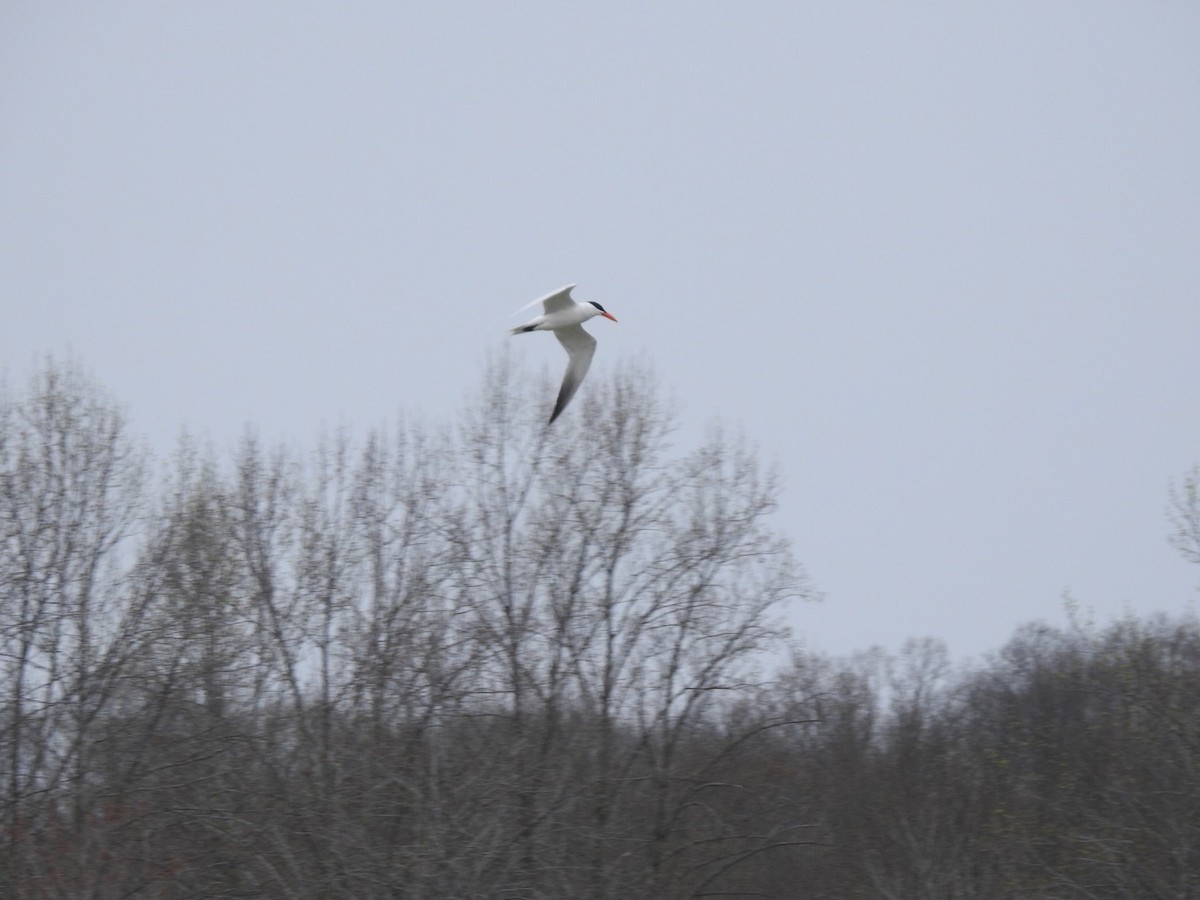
(554,301)
(580,347)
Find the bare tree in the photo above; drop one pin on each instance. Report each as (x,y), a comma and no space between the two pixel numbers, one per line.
(505,660)
(1184,513)
(70,496)
(620,586)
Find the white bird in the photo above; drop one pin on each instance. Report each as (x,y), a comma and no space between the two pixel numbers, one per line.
(565,318)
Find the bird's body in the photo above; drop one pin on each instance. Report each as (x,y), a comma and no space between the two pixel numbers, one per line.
(565,318)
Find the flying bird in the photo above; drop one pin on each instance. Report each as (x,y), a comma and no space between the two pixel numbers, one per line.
(565,318)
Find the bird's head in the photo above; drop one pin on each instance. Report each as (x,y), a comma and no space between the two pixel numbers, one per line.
(601,311)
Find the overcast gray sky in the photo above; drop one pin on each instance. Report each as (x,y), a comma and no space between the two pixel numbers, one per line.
(941,261)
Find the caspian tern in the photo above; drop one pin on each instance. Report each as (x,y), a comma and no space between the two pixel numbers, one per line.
(565,318)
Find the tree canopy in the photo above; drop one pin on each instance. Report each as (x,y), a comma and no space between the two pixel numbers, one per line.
(506,660)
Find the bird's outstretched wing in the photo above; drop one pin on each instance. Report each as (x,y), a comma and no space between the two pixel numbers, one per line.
(580,347)
(554,301)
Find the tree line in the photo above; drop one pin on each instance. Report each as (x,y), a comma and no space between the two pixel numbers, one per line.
(498,660)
